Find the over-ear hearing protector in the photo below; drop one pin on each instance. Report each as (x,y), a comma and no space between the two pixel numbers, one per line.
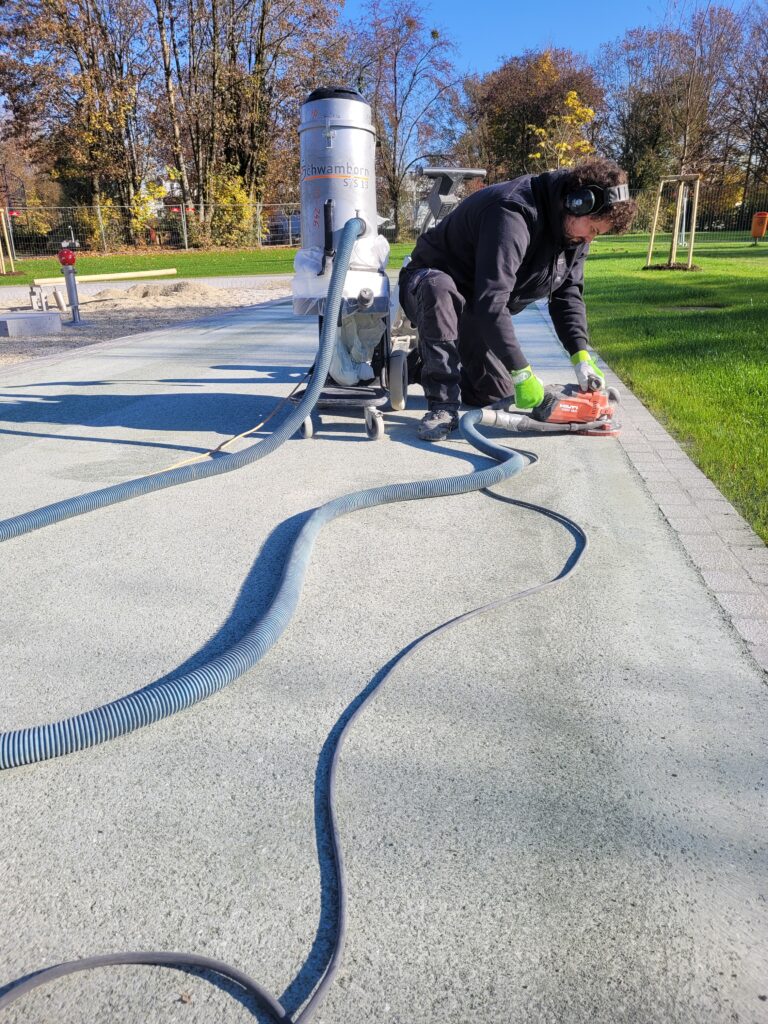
(593,198)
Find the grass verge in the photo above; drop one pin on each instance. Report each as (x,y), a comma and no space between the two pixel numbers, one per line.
(219,263)
(693,347)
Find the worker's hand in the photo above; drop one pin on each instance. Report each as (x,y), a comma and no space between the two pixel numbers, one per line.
(529,391)
(588,373)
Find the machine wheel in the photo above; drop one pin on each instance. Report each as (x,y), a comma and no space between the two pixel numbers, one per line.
(374,424)
(398,379)
(613,395)
(310,426)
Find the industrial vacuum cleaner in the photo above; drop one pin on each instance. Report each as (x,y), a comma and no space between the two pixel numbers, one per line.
(338,182)
(369,368)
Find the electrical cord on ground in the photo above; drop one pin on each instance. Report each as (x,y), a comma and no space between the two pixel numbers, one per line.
(513,463)
(238,437)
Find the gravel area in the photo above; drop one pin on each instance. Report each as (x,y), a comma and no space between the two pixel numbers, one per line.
(113,312)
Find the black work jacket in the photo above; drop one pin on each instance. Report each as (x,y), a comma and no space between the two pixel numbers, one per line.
(504,247)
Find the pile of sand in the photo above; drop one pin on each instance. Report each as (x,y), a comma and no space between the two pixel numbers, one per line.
(142,307)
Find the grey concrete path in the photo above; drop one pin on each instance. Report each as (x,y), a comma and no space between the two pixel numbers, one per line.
(555,813)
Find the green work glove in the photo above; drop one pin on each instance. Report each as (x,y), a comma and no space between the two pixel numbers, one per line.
(588,373)
(529,391)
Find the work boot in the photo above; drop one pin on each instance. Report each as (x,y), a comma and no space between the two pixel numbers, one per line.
(438,423)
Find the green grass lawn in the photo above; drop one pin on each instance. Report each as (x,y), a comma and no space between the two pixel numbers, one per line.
(223,263)
(694,347)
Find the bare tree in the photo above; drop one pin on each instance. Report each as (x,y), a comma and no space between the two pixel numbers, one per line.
(750,101)
(404,68)
(75,80)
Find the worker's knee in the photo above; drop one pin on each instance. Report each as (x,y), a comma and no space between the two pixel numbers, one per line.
(438,306)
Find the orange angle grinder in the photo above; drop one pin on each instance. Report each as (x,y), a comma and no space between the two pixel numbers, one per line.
(564,410)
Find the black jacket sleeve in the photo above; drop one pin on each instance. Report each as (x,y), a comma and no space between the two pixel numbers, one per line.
(567,309)
(503,239)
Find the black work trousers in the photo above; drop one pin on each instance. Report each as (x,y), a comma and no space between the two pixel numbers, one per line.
(457,365)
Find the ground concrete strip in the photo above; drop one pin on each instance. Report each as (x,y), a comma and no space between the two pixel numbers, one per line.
(554,813)
(710,529)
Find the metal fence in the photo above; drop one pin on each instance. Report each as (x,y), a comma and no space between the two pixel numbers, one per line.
(724,215)
(42,230)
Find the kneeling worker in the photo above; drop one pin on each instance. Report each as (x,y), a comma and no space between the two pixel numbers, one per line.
(497,251)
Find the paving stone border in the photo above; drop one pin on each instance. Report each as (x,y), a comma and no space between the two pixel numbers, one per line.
(732,559)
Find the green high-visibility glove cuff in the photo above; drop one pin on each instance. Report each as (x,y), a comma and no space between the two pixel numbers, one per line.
(588,373)
(585,357)
(529,391)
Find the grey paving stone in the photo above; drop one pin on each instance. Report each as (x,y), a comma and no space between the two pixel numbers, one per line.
(669,494)
(674,455)
(695,543)
(700,489)
(694,481)
(746,539)
(754,631)
(750,606)
(656,475)
(737,582)
(686,523)
(676,500)
(759,573)
(760,654)
(712,559)
(716,506)
(724,521)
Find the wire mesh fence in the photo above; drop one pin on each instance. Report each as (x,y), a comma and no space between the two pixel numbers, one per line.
(725,215)
(42,231)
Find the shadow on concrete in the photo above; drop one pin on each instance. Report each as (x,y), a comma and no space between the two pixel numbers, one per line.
(261,374)
(108,440)
(216,412)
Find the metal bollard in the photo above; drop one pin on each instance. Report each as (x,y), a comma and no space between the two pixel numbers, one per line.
(70,280)
(67,260)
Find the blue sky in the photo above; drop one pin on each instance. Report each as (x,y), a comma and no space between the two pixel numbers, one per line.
(486,31)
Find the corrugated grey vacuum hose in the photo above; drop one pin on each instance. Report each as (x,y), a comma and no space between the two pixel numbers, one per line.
(513,462)
(158,700)
(39,517)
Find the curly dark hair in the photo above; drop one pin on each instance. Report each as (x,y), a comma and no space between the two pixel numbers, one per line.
(597,170)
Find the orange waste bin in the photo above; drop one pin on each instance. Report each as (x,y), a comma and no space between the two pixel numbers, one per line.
(759,225)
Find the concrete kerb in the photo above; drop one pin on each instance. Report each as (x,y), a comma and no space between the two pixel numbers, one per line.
(732,559)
